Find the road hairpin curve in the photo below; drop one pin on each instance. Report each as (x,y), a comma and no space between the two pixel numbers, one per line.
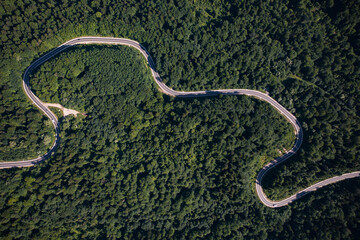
(166,90)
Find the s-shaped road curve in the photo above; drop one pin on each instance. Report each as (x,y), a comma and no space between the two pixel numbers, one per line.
(166,90)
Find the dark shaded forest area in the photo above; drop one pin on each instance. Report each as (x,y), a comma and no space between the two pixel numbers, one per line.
(144,165)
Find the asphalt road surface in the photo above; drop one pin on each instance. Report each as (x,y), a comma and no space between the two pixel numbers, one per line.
(166,90)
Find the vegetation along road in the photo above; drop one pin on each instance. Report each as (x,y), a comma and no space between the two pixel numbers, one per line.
(165,89)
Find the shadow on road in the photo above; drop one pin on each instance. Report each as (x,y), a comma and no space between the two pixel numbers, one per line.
(301,194)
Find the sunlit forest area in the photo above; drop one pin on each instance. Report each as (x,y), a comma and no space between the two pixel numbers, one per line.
(144,165)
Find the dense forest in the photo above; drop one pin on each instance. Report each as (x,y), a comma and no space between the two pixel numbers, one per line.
(142,154)
(26,134)
(144,165)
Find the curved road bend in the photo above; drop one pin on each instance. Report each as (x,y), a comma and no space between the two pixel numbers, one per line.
(165,89)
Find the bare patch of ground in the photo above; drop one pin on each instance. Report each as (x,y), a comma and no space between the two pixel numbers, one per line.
(66,111)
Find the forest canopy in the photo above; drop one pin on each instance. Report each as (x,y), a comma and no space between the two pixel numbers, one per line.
(143,165)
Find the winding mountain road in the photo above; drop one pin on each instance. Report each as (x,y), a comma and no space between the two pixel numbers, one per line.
(166,90)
